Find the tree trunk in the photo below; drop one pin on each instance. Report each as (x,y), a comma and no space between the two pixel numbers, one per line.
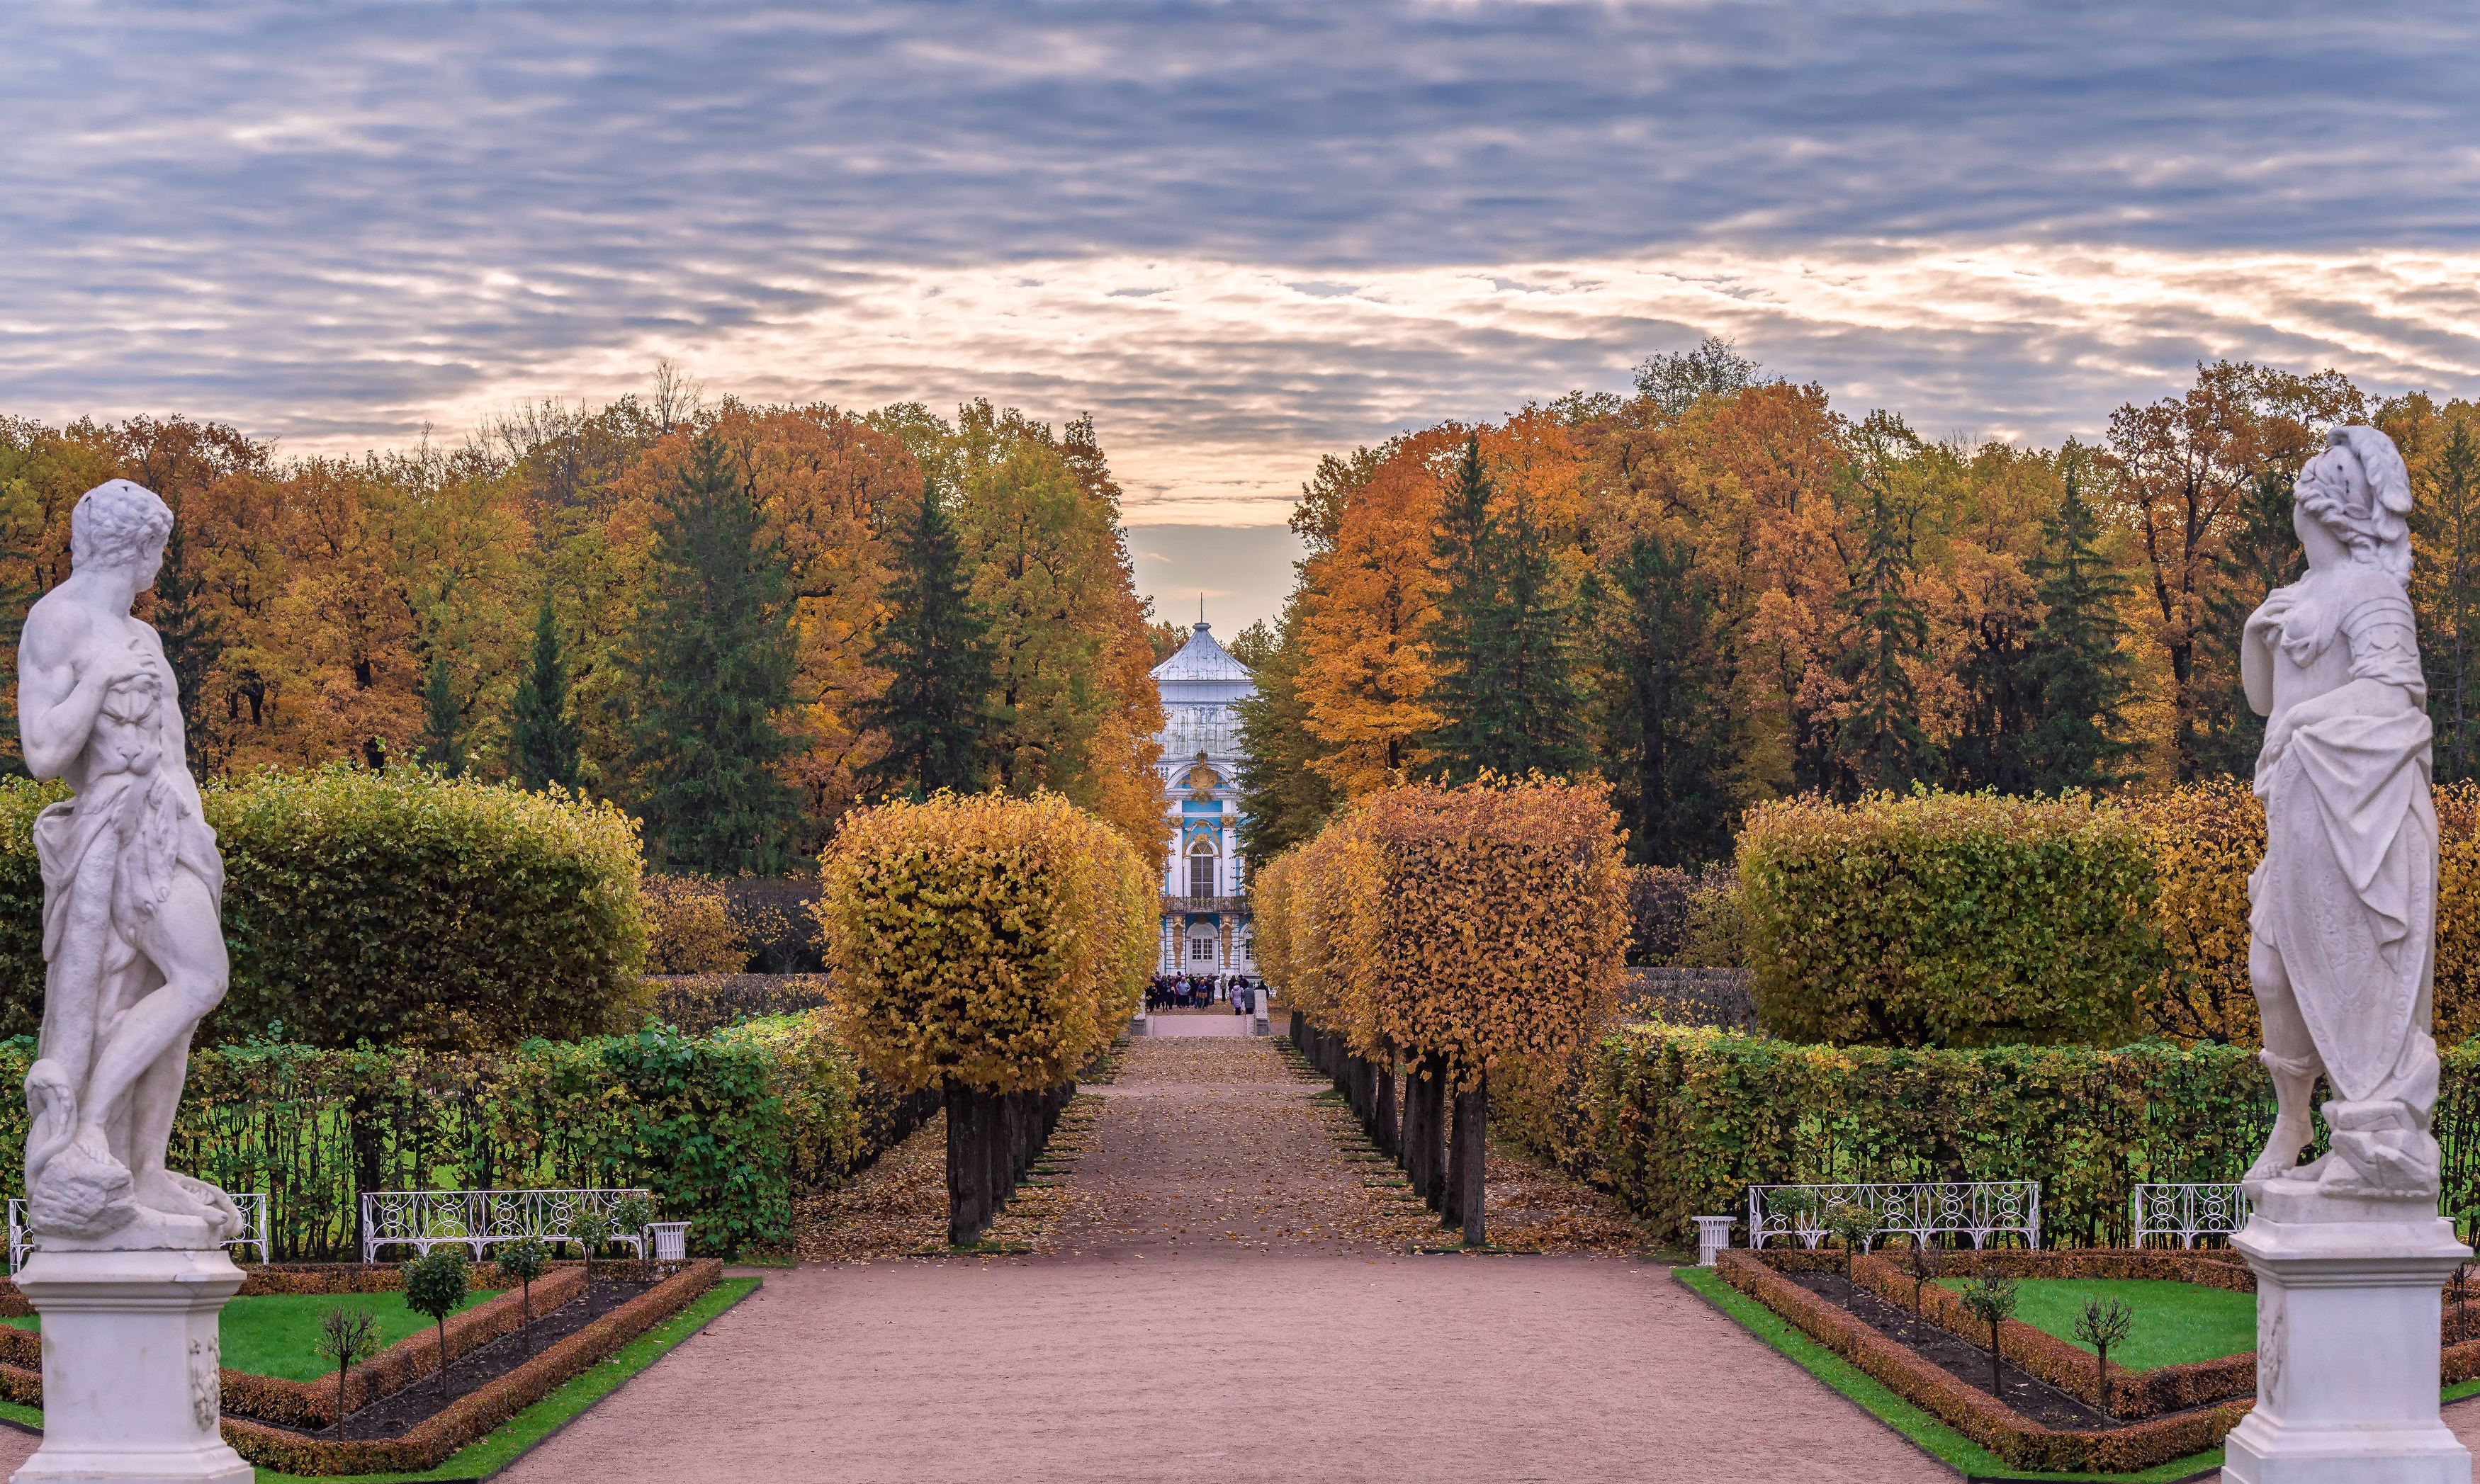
(1451,1193)
(1428,1157)
(1297,1024)
(1464,1197)
(1409,1145)
(1384,1133)
(969,1169)
(1997,1378)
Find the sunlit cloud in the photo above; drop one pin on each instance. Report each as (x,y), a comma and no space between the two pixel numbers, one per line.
(1241,236)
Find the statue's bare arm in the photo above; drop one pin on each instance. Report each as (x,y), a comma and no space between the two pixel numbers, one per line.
(2255,662)
(60,687)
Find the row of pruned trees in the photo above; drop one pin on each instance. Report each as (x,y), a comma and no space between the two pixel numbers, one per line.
(1433,935)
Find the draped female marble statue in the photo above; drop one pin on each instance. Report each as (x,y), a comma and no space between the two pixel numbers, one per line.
(133,930)
(2344,908)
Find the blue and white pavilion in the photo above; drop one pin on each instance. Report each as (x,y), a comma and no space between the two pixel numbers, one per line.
(1206,902)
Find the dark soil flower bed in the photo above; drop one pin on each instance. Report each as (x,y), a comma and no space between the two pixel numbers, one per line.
(1966,1362)
(395,1414)
(2031,1423)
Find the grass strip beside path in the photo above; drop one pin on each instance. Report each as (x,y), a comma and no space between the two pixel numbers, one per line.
(1925,1431)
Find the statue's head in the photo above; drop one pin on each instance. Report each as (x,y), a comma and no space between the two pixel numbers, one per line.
(2359,490)
(118,524)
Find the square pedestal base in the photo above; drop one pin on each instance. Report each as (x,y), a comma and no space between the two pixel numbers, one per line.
(131,1389)
(2346,1344)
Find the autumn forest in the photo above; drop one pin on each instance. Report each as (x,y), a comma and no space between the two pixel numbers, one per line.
(1720,589)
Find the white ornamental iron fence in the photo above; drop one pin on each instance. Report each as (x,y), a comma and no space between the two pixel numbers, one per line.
(423,1219)
(252,1205)
(2188,1211)
(1978,1208)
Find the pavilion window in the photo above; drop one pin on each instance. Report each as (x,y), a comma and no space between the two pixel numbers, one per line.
(1200,875)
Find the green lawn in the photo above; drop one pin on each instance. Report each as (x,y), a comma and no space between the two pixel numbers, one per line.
(277,1333)
(2175,1322)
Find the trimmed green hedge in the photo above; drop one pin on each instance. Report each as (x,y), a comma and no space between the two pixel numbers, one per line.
(724,1128)
(396,908)
(1679,1122)
(1935,919)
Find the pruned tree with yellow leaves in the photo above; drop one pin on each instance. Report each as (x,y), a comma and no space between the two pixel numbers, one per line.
(989,946)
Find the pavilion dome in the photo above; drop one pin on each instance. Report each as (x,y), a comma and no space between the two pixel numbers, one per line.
(1198,685)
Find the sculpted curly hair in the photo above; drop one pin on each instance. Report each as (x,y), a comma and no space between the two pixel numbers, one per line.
(2381,532)
(115,522)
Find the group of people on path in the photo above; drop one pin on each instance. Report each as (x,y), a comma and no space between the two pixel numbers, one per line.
(1202,990)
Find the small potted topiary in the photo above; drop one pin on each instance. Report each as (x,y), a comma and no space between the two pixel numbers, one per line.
(436,1283)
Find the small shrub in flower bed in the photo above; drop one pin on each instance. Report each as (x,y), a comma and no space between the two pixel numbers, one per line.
(475,1414)
(1958,1403)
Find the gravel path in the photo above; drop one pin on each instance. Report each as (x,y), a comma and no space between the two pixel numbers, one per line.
(1211,1143)
(1225,1367)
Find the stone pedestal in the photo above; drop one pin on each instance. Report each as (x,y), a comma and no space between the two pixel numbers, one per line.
(130,1356)
(2347,1314)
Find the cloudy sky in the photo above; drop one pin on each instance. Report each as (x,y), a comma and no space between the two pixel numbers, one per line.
(1241,235)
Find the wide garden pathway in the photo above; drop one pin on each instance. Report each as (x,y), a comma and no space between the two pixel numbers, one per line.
(1222,1305)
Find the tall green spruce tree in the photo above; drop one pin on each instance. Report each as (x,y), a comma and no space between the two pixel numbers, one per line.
(714,657)
(2263,554)
(2080,677)
(1662,710)
(1507,687)
(1880,743)
(542,740)
(443,720)
(1284,801)
(935,645)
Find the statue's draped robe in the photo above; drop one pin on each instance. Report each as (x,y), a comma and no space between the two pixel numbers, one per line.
(2348,892)
(124,836)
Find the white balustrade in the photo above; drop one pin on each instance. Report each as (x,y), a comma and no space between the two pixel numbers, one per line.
(1978,1208)
(423,1219)
(2188,1211)
(252,1205)
(1713,1235)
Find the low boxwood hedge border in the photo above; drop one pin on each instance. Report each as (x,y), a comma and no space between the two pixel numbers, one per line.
(537,1423)
(2071,1369)
(1976,1465)
(479,1413)
(1966,1408)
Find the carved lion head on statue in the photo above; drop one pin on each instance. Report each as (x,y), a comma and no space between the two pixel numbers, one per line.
(2359,489)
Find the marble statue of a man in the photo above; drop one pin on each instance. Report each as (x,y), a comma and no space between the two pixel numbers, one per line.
(131,901)
(2344,908)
